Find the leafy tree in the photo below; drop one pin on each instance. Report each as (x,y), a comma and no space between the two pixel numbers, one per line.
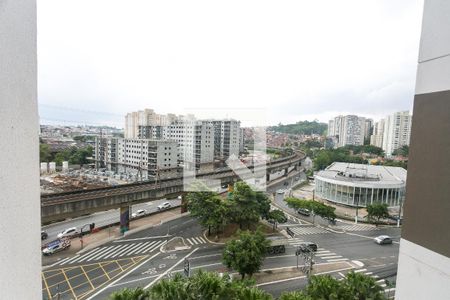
(208,208)
(246,253)
(301,127)
(318,208)
(277,216)
(206,285)
(294,296)
(362,287)
(131,294)
(377,211)
(44,153)
(326,287)
(402,151)
(246,205)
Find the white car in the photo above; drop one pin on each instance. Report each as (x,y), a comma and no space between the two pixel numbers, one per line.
(281,192)
(165,205)
(68,232)
(139,213)
(383,239)
(53,248)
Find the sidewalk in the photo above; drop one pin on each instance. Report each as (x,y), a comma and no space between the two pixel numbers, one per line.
(96,239)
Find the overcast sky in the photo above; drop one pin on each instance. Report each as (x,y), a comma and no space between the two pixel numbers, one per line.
(295,60)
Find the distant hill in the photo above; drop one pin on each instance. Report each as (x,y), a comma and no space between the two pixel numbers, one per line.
(302,127)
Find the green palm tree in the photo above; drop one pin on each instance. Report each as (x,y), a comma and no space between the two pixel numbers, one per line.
(131,294)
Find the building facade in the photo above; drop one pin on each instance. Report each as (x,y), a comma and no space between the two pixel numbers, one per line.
(424,255)
(360,185)
(376,139)
(142,158)
(348,130)
(227,139)
(397,131)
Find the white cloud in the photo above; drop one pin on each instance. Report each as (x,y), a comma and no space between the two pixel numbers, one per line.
(296,59)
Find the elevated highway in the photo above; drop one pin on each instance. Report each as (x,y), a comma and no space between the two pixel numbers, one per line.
(74,204)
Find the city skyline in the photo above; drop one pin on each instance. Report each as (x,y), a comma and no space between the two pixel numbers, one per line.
(287,57)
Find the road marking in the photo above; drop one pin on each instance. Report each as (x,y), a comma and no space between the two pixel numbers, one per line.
(46,286)
(138,248)
(338,259)
(143,238)
(123,276)
(170,269)
(150,245)
(112,251)
(368,273)
(300,277)
(101,266)
(210,255)
(68,283)
(135,246)
(128,246)
(94,253)
(333,256)
(87,277)
(76,256)
(134,280)
(325,254)
(101,254)
(340,273)
(360,270)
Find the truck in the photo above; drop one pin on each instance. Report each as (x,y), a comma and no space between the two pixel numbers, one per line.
(277,245)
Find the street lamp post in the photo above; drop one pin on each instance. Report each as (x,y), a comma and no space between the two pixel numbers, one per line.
(357,205)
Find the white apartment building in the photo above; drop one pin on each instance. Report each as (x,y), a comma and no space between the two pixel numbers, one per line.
(349,130)
(397,131)
(195,141)
(227,138)
(147,117)
(376,139)
(144,158)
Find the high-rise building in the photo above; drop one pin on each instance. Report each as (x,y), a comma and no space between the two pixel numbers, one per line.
(349,130)
(368,129)
(195,140)
(397,131)
(226,138)
(138,121)
(424,255)
(376,139)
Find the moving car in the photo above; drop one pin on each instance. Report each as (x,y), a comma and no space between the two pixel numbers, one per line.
(56,246)
(383,239)
(165,205)
(139,213)
(280,192)
(44,235)
(304,211)
(68,232)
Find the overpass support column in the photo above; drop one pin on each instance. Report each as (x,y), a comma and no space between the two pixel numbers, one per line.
(286,171)
(268,177)
(124,219)
(183,203)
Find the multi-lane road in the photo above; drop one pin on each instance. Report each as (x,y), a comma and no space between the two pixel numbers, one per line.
(140,259)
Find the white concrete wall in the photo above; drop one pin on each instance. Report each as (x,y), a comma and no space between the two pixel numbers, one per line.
(422,274)
(20,257)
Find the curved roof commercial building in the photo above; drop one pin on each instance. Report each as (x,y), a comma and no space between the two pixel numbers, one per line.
(359,185)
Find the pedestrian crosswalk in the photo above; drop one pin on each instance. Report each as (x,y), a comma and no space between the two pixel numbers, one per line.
(293,219)
(115,251)
(196,240)
(357,227)
(321,253)
(305,230)
(388,290)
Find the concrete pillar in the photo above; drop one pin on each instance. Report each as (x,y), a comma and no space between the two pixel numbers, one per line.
(125,218)
(286,171)
(267,177)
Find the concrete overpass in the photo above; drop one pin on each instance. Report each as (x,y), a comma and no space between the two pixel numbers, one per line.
(74,204)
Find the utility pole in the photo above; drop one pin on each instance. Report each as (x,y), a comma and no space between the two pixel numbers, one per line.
(357,204)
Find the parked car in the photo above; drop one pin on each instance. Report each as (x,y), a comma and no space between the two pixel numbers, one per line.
(139,213)
(383,239)
(304,211)
(164,205)
(68,232)
(56,246)
(281,192)
(44,235)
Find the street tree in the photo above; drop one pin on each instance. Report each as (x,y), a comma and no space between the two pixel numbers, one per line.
(276,216)
(131,294)
(317,208)
(377,211)
(44,153)
(208,208)
(362,287)
(246,252)
(294,296)
(247,206)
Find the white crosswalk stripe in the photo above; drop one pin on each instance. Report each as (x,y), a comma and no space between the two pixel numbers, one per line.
(358,227)
(196,240)
(304,230)
(116,251)
(295,241)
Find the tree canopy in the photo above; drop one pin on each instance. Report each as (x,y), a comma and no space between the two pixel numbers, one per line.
(402,151)
(320,209)
(377,211)
(209,208)
(301,127)
(324,158)
(246,252)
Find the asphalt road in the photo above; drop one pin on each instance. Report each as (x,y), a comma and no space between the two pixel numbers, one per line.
(137,259)
(100,218)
